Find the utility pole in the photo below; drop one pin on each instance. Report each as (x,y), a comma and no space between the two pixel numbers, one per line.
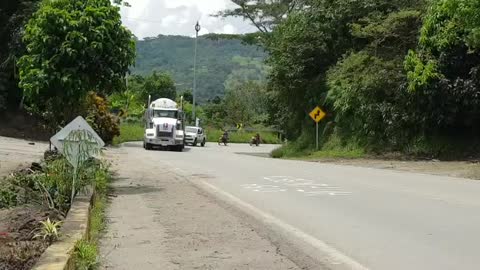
(197,29)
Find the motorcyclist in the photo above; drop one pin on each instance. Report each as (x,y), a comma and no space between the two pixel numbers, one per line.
(224,138)
(255,139)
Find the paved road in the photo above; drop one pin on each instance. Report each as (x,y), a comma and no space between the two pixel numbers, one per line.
(15,153)
(365,218)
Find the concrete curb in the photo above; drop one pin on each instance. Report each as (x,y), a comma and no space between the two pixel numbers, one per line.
(131,144)
(59,256)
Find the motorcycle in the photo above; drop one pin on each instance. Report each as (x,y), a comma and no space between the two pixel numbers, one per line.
(254,141)
(223,140)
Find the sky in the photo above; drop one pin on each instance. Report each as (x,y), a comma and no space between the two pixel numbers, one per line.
(149,18)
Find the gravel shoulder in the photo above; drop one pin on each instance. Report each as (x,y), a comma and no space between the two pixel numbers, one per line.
(460,169)
(159,220)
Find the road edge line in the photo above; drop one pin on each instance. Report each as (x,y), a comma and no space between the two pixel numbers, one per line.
(333,258)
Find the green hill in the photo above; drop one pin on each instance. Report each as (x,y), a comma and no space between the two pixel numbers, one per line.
(217,59)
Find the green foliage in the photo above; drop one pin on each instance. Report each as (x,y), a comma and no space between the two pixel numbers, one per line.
(130,132)
(97,216)
(245,103)
(420,74)
(335,147)
(159,85)
(399,75)
(8,196)
(85,255)
(216,60)
(365,93)
(86,251)
(450,24)
(443,71)
(73,47)
(127,103)
(102,121)
(13,16)
(49,230)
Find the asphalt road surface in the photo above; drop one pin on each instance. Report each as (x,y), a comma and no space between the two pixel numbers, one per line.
(349,217)
(16,154)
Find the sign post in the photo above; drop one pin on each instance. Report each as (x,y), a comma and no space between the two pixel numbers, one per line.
(77,141)
(317,115)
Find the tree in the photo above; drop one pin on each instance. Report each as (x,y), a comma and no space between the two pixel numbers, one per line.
(263,14)
(444,71)
(309,42)
(13,16)
(73,47)
(188,96)
(159,85)
(246,103)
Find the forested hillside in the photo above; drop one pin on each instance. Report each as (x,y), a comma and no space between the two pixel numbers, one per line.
(397,75)
(217,59)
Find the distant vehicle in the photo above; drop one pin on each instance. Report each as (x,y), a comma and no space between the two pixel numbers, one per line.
(164,125)
(195,135)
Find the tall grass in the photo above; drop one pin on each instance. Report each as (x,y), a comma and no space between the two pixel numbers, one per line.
(332,148)
(86,250)
(130,131)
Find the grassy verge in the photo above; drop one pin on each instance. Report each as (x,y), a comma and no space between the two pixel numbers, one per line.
(129,131)
(86,250)
(333,148)
(133,131)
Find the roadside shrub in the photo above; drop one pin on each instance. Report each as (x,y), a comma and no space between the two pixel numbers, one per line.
(102,121)
(278,152)
(49,230)
(8,196)
(85,255)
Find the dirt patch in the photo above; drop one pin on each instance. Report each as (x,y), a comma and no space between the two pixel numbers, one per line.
(462,169)
(18,248)
(18,226)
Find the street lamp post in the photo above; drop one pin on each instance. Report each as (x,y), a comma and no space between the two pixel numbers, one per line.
(197,29)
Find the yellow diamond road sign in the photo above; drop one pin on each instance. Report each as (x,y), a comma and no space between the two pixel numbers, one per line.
(317,114)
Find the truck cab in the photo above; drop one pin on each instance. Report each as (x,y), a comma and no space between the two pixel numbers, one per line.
(164,125)
(195,135)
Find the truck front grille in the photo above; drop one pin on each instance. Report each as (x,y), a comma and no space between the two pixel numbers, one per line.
(164,134)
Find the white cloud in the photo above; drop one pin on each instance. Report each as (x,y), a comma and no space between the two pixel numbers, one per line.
(169,20)
(147,18)
(229,29)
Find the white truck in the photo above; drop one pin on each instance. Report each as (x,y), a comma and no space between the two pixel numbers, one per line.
(195,135)
(164,125)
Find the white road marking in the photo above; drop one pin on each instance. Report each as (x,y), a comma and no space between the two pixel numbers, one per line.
(306,187)
(325,253)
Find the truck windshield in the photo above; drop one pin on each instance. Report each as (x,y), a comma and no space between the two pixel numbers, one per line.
(191,130)
(165,113)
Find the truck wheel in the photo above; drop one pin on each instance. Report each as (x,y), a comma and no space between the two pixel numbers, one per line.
(148,146)
(203,143)
(194,142)
(179,148)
